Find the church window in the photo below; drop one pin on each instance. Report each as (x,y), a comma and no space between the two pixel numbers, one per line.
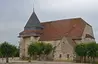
(53,55)
(35,37)
(67,55)
(60,56)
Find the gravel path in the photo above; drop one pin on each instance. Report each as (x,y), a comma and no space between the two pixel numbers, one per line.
(17,61)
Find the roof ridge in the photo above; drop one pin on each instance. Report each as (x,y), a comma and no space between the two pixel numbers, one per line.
(85,22)
(60,20)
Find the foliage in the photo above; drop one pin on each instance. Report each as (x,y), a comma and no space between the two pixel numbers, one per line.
(0,54)
(88,51)
(92,49)
(14,50)
(32,49)
(7,50)
(48,49)
(17,53)
(38,49)
(81,51)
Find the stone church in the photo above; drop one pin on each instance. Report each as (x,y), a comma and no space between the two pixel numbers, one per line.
(64,34)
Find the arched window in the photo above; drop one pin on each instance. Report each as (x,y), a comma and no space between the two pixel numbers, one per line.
(68,56)
(60,56)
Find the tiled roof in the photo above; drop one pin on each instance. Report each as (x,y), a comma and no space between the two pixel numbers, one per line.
(55,30)
(27,33)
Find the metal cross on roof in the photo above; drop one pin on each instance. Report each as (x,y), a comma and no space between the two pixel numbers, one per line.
(33,6)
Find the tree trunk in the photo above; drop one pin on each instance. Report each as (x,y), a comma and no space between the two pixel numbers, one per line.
(39,57)
(84,59)
(46,57)
(88,59)
(93,59)
(12,57)
(7,60)
(30,58)
(2,58)
(34,57)
(81,59)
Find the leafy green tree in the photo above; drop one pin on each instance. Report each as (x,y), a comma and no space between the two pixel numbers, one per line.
(47,49)
(81,51)
(38,49)
(6,50)
(32,49)
(88,50)
(0,55)
(92,50)
(17,53)
(97,50)
(14,50)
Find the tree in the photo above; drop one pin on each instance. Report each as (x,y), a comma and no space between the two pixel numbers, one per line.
(32,49)
(0,54)
(81,51)
(17,53)
(14,50)
(88,50)
(39,49)
(92,50)
(47,49)
(6,50)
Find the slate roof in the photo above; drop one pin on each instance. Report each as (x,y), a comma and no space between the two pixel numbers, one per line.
(33,27)
(33,23)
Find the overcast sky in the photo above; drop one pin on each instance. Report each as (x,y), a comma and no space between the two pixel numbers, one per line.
(15,13)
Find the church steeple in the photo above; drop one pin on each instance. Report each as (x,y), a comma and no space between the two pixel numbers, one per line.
(33,22)
(33,27)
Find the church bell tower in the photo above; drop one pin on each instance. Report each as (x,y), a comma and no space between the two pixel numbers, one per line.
(31,33)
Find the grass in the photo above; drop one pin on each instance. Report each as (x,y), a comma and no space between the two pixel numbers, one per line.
(96,63)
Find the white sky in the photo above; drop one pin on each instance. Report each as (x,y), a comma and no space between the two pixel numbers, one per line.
(15,13)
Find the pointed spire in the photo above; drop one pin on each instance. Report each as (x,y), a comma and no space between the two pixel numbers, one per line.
(33,9)
(33,6)
(33,22)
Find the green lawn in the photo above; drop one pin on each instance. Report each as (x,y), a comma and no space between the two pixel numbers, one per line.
(96,62)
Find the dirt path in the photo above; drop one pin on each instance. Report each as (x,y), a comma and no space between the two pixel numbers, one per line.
(17,61)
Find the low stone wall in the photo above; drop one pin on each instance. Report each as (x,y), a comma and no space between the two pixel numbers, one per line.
(18,61)
(42,62)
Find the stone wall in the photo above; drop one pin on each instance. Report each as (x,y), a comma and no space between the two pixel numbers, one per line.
(67,49)
(88,30)
(24,43)
(44,62)
(64,49)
